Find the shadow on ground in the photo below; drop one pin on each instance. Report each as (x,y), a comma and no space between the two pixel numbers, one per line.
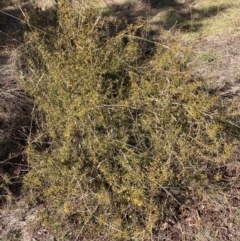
(167,14)
(14,20)
(11,27)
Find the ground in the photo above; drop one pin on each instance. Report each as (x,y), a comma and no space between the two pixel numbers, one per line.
(212,31)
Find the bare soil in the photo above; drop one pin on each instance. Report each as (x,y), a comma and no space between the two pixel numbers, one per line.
(218,59)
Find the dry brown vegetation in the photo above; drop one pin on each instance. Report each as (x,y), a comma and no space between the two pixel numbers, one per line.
(15,108)
(132,135)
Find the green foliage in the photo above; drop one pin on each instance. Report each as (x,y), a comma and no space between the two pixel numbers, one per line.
(126,128)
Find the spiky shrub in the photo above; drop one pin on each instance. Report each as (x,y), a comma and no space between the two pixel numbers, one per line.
(127,129)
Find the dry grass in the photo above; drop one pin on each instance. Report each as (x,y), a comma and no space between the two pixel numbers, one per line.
(15,108)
